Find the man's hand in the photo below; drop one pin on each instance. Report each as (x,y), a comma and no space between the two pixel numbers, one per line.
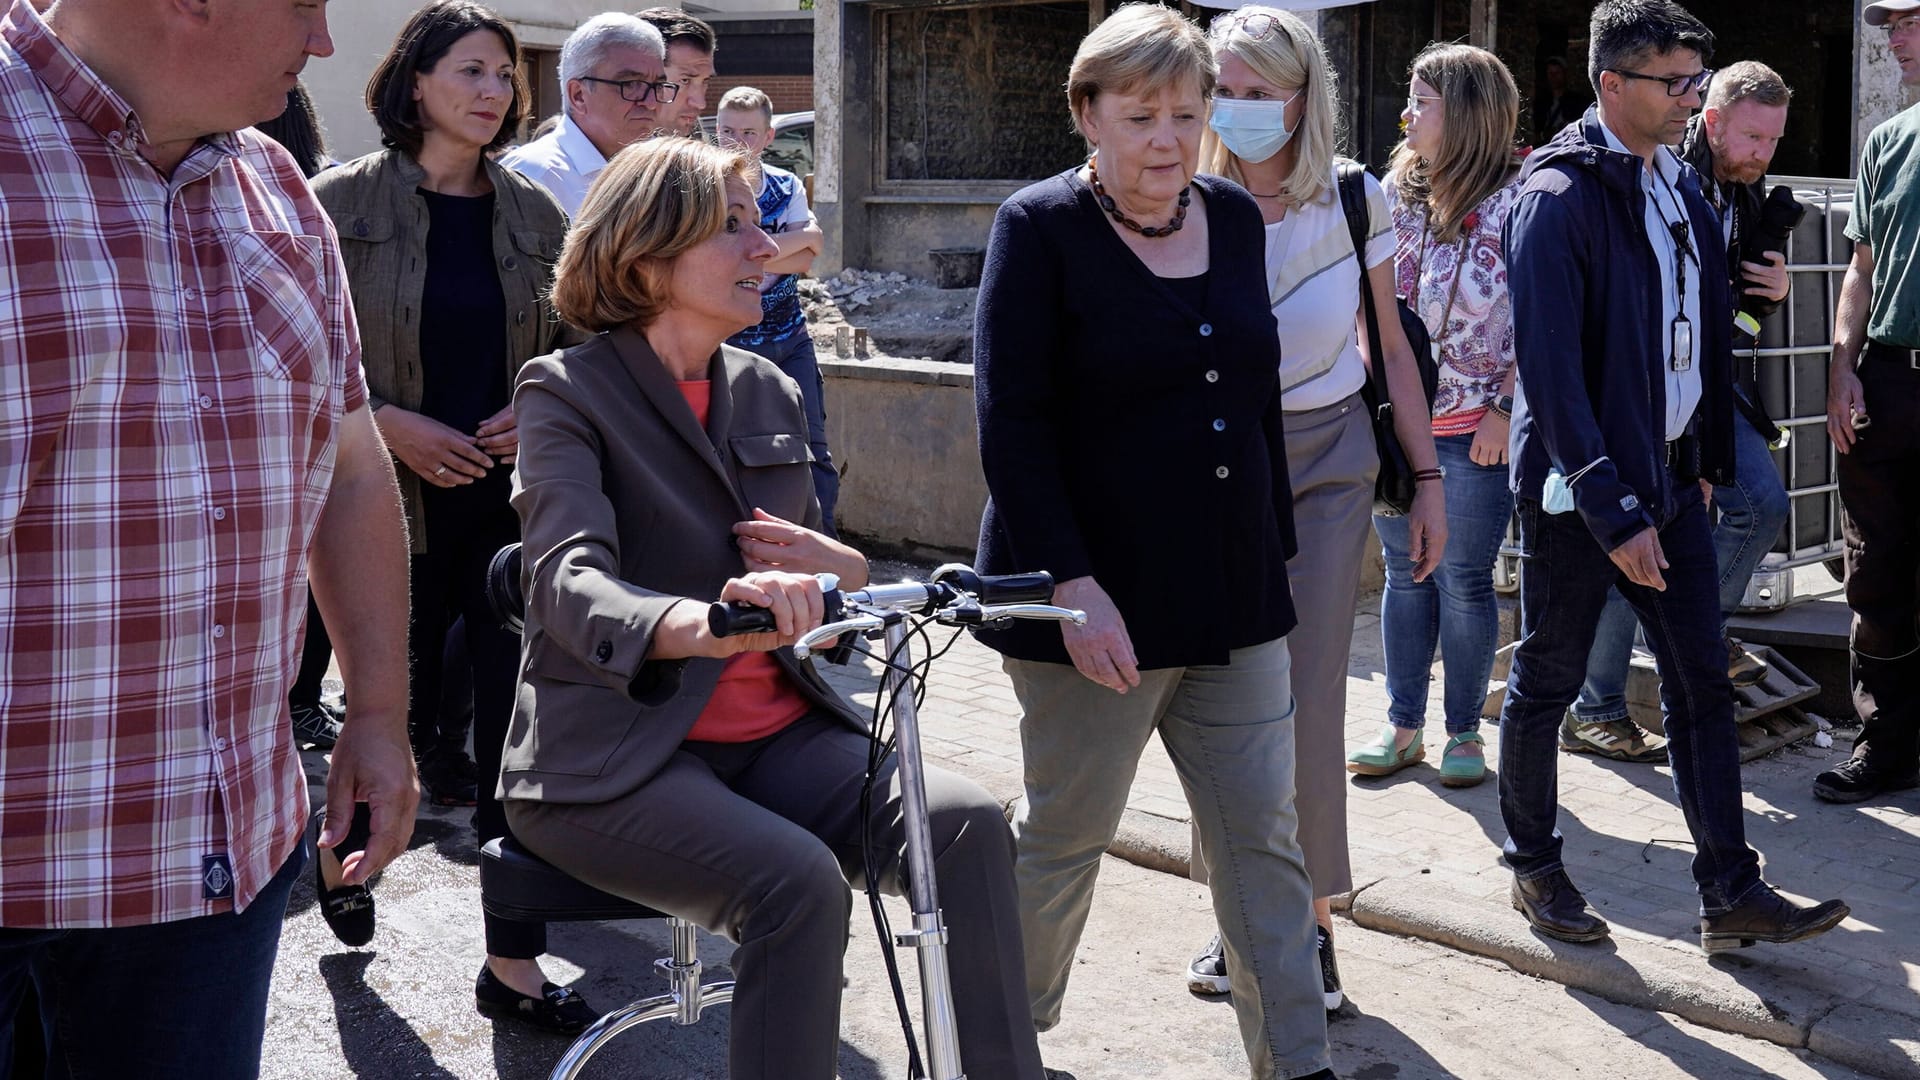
(1846,406)
(373,764)
(1101,650)
(1642,560)
(1767,279)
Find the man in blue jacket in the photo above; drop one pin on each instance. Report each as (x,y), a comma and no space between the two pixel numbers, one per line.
(1624,413)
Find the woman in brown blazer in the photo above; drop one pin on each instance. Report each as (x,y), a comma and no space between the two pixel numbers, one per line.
(716,779)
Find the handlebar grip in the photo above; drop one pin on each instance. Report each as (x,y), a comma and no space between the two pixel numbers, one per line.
(729,619)
(1034,588)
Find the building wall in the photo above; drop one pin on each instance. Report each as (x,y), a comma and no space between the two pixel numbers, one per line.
(790,93)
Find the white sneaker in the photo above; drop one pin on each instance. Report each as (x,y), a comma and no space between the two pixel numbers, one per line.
(1208,972)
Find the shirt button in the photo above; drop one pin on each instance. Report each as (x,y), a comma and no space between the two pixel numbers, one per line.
(1219,425)
(1213,376)
(1221,472)
(1206,329)
(190,293)
(220,745)
(205,402)
(219,513)
(219,631)
(115,138)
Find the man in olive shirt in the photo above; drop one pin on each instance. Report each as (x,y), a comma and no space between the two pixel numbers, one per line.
(1873,417)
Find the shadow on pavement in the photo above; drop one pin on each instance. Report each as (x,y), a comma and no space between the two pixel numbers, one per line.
(374,1039)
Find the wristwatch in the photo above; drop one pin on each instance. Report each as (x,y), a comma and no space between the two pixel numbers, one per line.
(1503,406)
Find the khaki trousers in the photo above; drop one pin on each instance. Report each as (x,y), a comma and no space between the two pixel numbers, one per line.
(1229,731)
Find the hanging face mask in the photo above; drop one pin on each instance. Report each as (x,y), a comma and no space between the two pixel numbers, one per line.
(1253,130)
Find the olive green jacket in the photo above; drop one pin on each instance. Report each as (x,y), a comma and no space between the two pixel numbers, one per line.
(376,206)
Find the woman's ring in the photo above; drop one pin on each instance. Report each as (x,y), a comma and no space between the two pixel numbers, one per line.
(439,470)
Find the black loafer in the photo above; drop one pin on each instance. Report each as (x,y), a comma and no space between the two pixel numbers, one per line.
(1858,779)
(347,909)
(558,1009)
(1556,908)
(1767,916)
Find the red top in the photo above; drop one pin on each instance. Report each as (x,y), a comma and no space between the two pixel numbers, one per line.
(754,698)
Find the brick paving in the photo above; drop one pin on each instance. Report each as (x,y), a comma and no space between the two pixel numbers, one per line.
(1410,827)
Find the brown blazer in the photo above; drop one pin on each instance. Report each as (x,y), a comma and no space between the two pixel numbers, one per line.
(627,508)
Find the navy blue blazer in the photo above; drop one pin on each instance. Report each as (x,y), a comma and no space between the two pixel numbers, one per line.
(1126,434)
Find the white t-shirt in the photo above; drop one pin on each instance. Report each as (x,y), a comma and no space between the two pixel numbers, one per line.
(1314,285)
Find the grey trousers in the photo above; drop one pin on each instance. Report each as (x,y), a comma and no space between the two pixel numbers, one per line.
(759,841)
(1229,731)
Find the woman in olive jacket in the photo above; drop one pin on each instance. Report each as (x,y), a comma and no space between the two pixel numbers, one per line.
(449,257)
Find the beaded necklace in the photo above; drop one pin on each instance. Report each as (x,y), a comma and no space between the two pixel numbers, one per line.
(1107,204)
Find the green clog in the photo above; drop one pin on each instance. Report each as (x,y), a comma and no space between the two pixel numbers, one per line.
(1463,770)
(1379,758)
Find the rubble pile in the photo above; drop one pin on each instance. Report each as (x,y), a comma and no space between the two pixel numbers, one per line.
(851,289)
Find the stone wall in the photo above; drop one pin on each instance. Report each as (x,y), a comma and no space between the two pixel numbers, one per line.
(903,435)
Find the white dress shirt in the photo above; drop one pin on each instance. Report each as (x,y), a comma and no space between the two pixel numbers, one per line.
(564,161)
(1665,204)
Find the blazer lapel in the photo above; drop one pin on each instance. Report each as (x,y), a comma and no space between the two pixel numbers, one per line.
(651,377)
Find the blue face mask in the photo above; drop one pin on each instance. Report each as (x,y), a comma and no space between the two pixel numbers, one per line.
(1253,130)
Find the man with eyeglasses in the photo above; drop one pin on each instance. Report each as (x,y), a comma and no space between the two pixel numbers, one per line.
(1873,418)
(613,94)
(1623,412)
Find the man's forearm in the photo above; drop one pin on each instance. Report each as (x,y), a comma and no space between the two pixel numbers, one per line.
(1850,316)
(358,566)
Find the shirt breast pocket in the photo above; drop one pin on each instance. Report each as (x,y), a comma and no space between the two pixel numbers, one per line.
(284,306)
(775,473)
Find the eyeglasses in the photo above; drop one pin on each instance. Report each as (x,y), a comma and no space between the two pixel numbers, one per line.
(1259,25)
(638,90)
(1414,106)
(1905,24)
(1677,85)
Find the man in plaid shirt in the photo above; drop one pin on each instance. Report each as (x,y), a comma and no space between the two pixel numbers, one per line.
(184,437)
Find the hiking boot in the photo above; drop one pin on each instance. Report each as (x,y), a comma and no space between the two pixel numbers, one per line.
(1860,778)
(1207,974)
(1743,667)
(314,727)
(1621,740)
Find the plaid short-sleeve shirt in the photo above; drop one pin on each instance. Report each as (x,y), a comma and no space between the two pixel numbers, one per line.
(176,353)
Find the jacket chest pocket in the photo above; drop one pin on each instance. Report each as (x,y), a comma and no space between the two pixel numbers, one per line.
(526,271)
(774,473)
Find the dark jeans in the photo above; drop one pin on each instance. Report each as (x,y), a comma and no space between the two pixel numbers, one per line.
(1564,579)
(795,357)
(1880,497)
(184,999)
(465,526)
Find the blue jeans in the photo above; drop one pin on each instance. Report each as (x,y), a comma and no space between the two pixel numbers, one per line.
(795,357)
(1752,511)
(1455,607)
(1564,579)
(184,999)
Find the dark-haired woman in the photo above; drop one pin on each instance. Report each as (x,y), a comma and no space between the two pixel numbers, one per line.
(449,257)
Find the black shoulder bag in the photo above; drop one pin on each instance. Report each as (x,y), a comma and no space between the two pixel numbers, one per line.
(1393,491)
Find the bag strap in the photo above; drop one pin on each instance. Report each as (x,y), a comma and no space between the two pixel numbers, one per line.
(1351,180)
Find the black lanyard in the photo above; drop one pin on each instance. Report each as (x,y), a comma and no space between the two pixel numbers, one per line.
(1680,332)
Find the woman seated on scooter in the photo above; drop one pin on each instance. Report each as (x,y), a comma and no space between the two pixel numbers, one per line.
(717,779)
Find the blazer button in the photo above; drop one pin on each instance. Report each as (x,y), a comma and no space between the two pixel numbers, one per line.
(603,652)
(510,263)
(520,318)
(1206,329)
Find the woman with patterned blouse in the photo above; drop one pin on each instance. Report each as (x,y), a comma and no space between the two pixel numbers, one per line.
(1450,184)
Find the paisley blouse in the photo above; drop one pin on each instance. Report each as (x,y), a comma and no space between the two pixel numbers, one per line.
(1476,345)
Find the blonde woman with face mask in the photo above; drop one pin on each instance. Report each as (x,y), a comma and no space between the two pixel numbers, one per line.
(1272,132)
